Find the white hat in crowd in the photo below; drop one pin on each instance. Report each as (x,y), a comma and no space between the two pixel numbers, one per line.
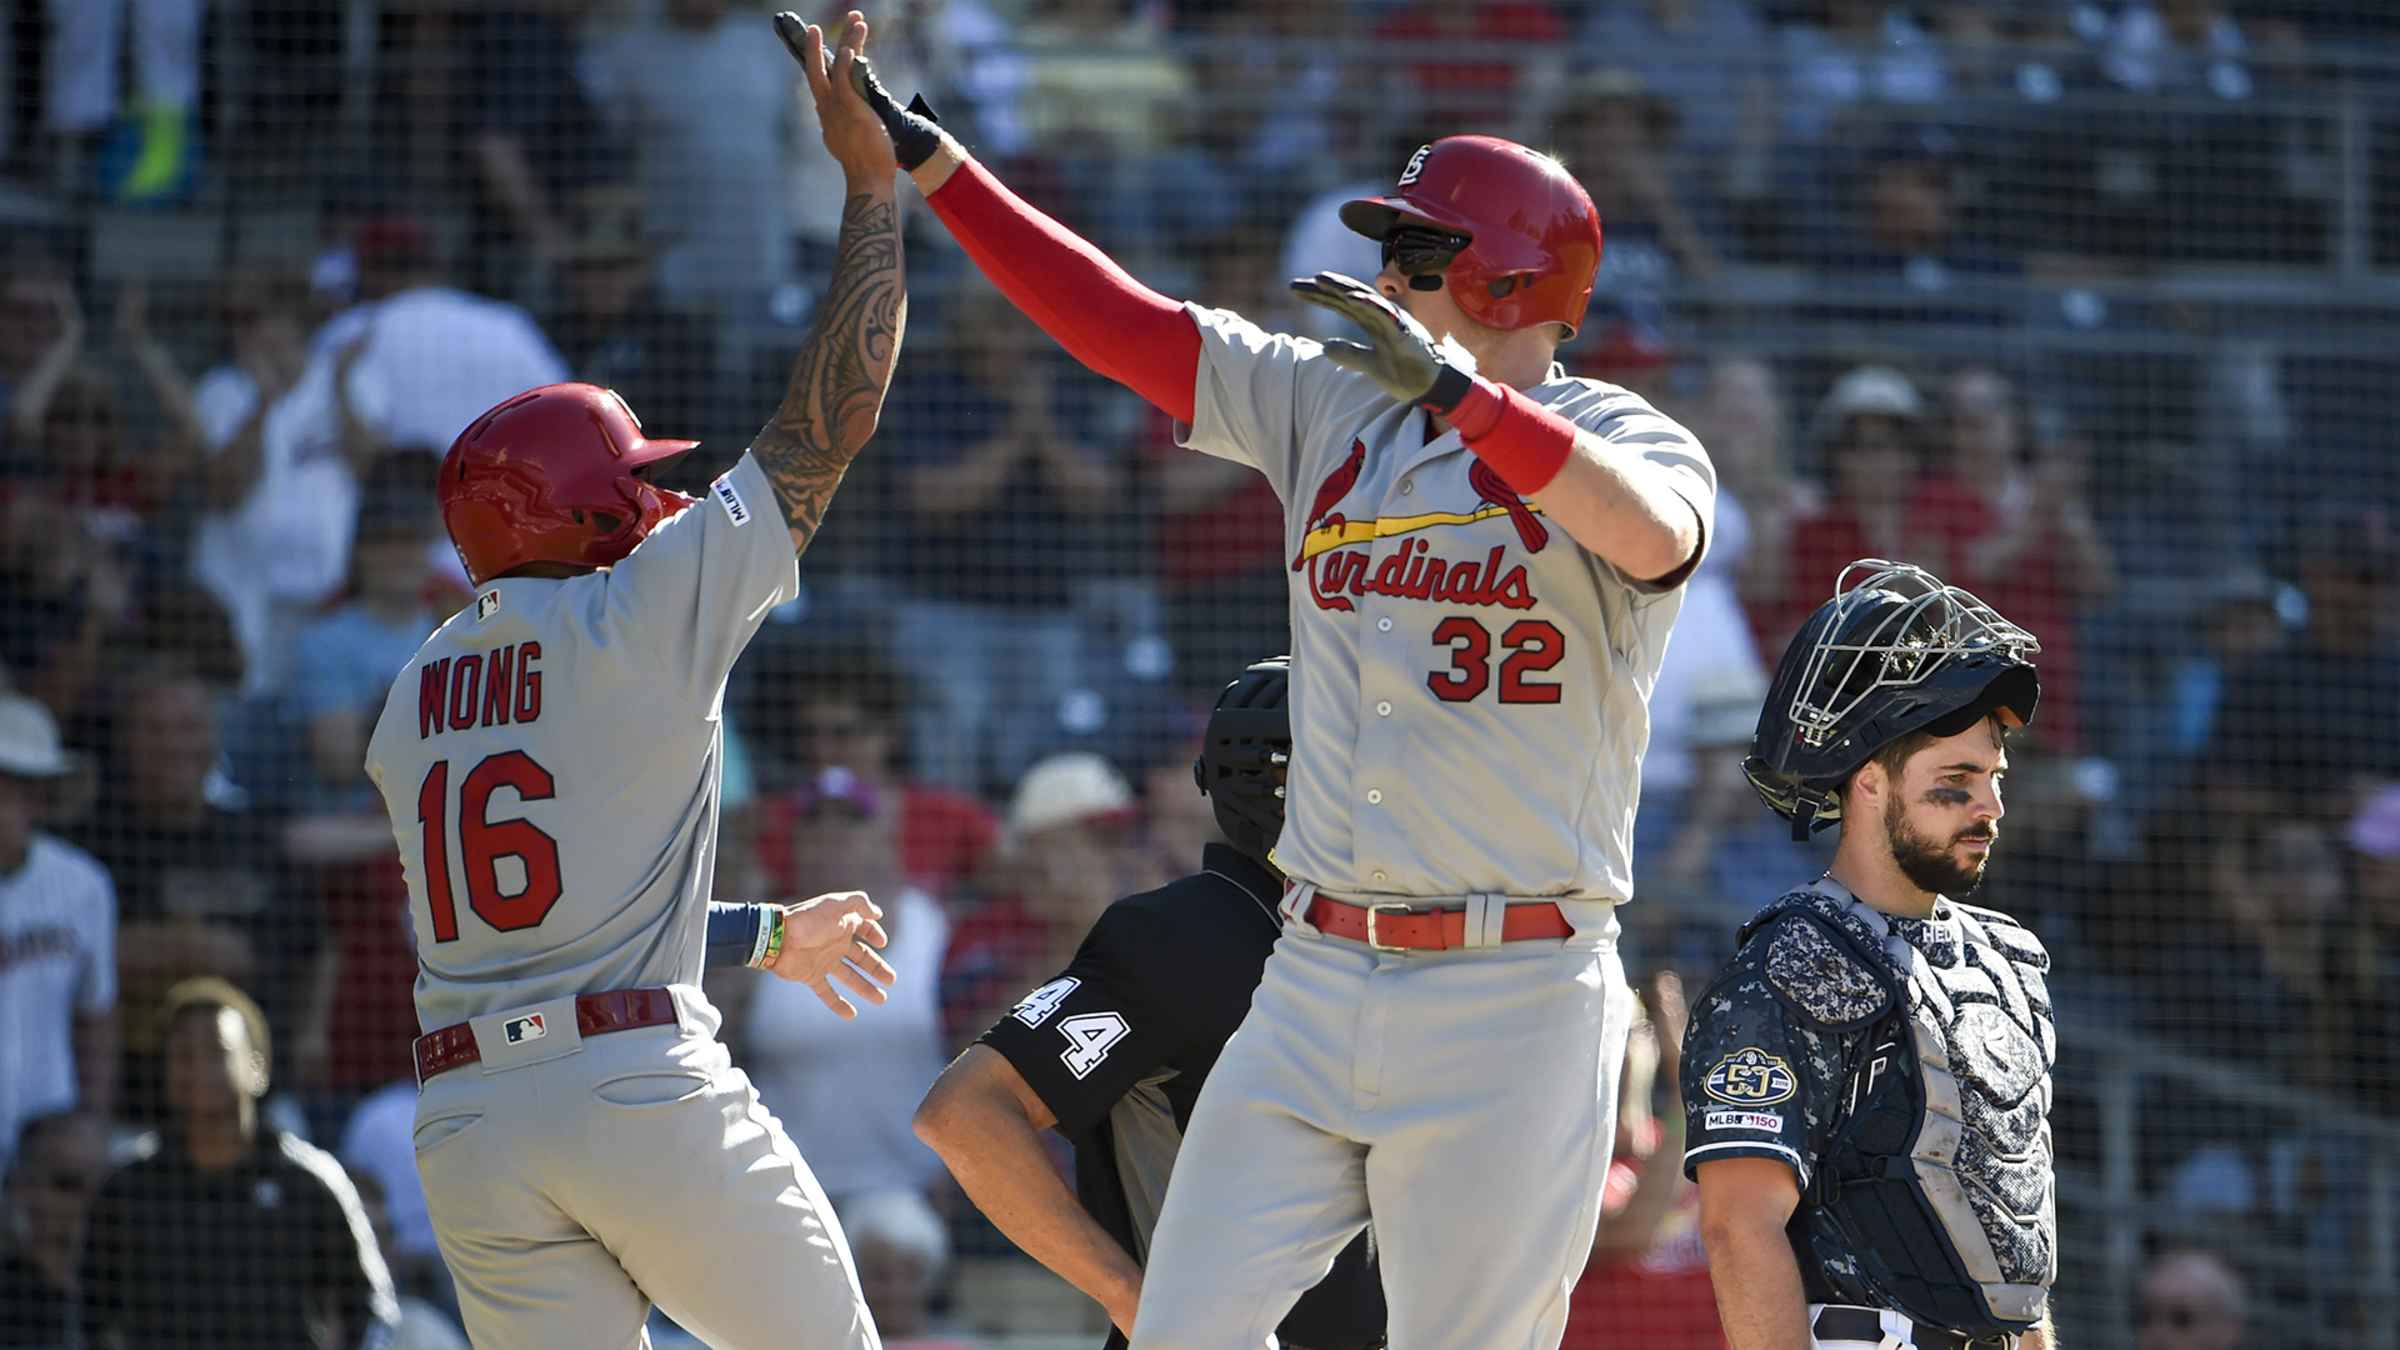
(1065,789)
(29,745)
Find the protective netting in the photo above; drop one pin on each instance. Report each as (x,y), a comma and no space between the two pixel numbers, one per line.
(2087,307)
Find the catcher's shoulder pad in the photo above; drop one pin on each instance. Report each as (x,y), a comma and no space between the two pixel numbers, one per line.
(1820,958)
(2014,939)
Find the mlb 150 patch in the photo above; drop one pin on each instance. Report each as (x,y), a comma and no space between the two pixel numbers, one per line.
(1750,1077)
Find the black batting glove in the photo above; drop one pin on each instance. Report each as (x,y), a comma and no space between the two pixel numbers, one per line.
(916,132)
(1399,353)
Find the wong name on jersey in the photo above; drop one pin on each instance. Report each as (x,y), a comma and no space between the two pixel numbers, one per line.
(501,687)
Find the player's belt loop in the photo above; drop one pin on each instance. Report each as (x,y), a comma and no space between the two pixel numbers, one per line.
(1376,909)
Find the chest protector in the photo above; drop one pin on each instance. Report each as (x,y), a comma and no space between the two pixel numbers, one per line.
(1933,1192)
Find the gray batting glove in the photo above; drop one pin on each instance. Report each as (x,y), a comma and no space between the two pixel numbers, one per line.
(1399,353)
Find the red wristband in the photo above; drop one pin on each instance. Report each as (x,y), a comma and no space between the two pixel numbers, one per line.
(1524,442)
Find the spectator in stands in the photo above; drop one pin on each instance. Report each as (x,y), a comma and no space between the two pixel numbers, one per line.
(37,306)
(1868,429)
(2248,979)
(1839,54)
(2012,522)
(617,330)
(1613,134)
(202,888)
(60,1159)
(417,1324)
(1742,419)
(2303,726)
(1905,229)
(63,596)
(1002,491)
(533,148)
(58,929)
(1476,87)
(418,359)
(2368,980)
(903,1251)
(2191,1299)
(82,102)
(1067,856)
(1646,1284)
(231,1233)
(710,111)
(1708,58)
(840,705)
(342,664)
(848,1090)
(277,496)
(1217,529)
(2177,46)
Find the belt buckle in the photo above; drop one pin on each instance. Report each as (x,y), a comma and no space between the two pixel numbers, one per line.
(1385,907)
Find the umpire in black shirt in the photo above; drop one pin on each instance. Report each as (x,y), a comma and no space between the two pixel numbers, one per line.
(1113,1051)
(1866,1083)
(230,1233)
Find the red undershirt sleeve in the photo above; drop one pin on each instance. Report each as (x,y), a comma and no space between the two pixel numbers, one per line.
(1087,303)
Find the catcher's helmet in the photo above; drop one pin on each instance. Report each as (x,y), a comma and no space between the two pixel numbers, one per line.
(1526,235)
(553,475)
(1249,736)
(1895,650)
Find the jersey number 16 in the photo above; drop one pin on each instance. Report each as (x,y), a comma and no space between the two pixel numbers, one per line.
(483,842)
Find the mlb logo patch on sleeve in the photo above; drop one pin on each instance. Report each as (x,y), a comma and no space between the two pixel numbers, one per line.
(519,1030)
(730,497)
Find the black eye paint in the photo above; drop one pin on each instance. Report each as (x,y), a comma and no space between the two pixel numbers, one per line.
(1948,796)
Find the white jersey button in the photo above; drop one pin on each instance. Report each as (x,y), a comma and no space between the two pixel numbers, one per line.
(1407,486)
(1383,625)
(1376,875)
(1375,796)
(1383,710)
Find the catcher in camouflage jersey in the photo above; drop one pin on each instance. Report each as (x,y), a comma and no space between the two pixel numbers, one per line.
(1867,1082)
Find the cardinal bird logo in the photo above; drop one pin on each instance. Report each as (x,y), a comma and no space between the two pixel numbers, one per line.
(1493,489)
(1337,485)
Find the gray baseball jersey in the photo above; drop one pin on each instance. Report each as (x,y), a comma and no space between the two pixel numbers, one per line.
(551,757)
(1469,685)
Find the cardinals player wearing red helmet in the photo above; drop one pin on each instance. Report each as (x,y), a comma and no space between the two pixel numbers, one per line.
(1486,560)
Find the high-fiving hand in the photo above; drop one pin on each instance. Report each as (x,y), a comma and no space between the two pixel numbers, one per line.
(833,939)
(853,133)
(890,133)
(1399,353)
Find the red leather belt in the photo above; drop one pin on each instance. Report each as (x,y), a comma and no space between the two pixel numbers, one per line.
(1391,925)
(454,1047)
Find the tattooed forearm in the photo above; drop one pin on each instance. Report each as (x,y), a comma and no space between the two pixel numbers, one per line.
(839,379)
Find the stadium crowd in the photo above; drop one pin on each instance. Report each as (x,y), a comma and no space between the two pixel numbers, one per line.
(1932,281)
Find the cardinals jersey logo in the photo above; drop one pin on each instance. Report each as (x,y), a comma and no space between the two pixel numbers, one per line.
(1337,573)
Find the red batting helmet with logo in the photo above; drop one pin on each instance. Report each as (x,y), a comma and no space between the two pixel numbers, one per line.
(1534,235)
(554,475)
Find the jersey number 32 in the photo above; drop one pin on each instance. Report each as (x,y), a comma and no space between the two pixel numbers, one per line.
(483,842)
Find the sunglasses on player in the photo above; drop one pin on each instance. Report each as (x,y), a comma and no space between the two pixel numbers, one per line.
(1423,253)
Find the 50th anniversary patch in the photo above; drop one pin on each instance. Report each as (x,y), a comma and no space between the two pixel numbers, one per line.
(1750,1077)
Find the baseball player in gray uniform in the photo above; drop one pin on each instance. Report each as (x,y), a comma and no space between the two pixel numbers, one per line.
(551,760)
(1484,570)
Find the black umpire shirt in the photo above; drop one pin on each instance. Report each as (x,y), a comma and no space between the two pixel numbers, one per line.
(1119,1043)
(255,1256)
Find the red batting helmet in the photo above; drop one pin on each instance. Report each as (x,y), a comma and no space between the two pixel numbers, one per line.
(1535,233)
(554,475)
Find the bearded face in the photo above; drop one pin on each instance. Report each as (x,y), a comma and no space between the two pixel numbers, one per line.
(1949,863)
(1942,810)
